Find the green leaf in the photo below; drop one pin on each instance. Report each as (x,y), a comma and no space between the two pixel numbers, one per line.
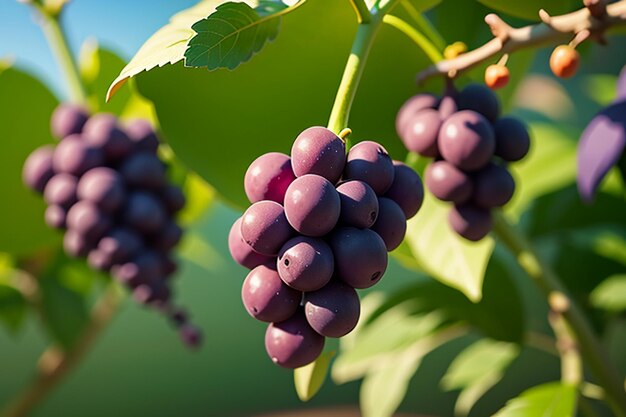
(232,34)
(13,308)
(24,125)
(529,9)
(601,88)
(445,255)
(478,368)
(309,379)
(610,295)
(553,399)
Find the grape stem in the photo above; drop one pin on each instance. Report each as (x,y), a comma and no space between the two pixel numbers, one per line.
(416,36)
(55,363)
(363,13)
(547,280)
(552,29)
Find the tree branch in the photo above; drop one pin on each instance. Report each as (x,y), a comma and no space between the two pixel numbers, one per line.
(552,29)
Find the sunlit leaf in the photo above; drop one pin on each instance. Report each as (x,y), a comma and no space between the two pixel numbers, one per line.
(309,379)
(553,399)
(611,294)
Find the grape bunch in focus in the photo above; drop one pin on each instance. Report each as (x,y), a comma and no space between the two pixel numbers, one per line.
(319,228)
(471,145)
(107,189)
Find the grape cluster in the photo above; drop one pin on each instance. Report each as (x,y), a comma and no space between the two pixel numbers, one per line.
(319,227)
(471,146)
(106,187)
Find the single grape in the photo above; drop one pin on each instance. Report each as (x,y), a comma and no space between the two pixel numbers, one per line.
(144,170)
(448,183)
(145,268)
(168,237)
(268,177)
(360,256)
(407,189)
(415,104)
(87,219)
(293,343)
(74,156)
(173,198)
(466,140)
(120,244)
(318,151)
(61,190)
(241,252)
(103,132)
(391,223)
(68,119)
(447,107)
(104,187)
(512,139)
(38,169)
(266,297)
(481,99)
(334,310)
(142,136)
(420,133)
(55,216)
(370,162)
(144,212)
(471,222)
(564,61)
(305,263)
(76,244)
(265,228)
(312,205)
(493,186)
(497,76)
(359,204)
(99,260)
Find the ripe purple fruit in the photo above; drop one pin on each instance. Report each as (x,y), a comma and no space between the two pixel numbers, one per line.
(359,204)
(55,216)
(406,190)
(241,252)
(412,106)
(293,343)
(68,119)
(370,162)
(104,187)
(37,169)
(145,170)
(420,133)
(319,151)
(350,244)
(103,132)
(481,99)
(312,205)
(333,311)
(391,223)
(74,156)
(88,220)
(142,136)
(471,222)
(467,140)
(493,186)
(61,190)
(268,177)
(512,139)
(305,263)
(448,183)
(144,212)
(265,228)
(266,297)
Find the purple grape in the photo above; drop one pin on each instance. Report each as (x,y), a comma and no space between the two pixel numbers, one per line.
(493,186)
(87,219)
(241,252)
(173,198)
(268,177)
(103,187)
(169,266)
(334,310)
(318,151)
(412,106)
(447,107)
(466,140)
(305,263)
(74,156)
(168,237)
(512,139)
(312,205)
(76,244)
(144,170)
(360,256)
(38,169)
(120,245)
(55,217)
(420,133)
(68,119)
(146,267)
(369,162)
(61,190)
(266,297)
(293,343)
(144,212)
(407,189)
(190,335)
(265,228)
(99,260)
(391,223)
(471,222)
(359,204)
(142,136)
(103,132)
(481,99)
(155,292)
(448,183)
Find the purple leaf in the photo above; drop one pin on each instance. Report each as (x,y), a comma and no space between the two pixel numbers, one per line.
(600,147)
(621,85)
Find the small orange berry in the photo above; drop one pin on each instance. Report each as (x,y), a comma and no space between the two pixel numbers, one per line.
(496,76)
(564,61)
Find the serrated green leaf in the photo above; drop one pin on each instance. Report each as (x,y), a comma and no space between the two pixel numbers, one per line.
(232,34)
(611,294)
(13,308)
(309,379)
(23,128)
(445,255)
(553,399)
(529,9)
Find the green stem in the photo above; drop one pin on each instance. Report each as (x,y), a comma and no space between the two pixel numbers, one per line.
(352,75)
(416,36)
(542,274)
(363,13)
(424,26)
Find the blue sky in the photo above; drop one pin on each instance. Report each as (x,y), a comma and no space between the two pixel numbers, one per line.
(122,25)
